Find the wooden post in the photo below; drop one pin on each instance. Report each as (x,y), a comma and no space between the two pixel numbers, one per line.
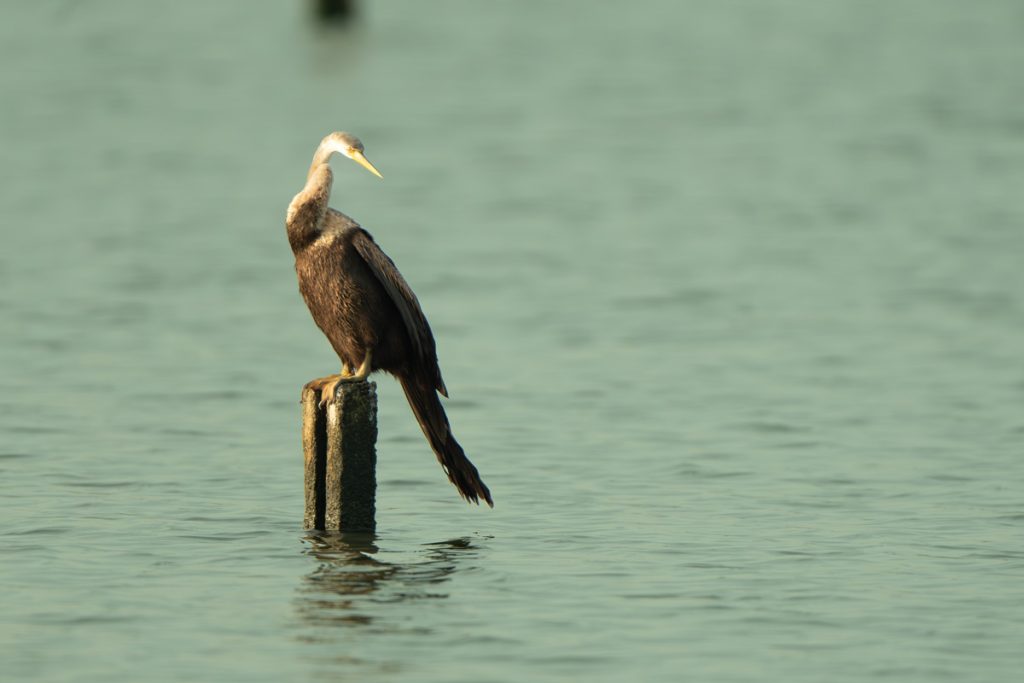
(339,443)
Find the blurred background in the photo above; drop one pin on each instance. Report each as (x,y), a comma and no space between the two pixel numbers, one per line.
(728,296)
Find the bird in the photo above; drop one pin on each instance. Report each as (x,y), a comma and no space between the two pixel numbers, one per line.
(367,310)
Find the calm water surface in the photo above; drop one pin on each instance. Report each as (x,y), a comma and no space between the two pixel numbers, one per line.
(729,297)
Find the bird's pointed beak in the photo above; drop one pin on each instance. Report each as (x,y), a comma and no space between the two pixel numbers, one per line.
(360,159)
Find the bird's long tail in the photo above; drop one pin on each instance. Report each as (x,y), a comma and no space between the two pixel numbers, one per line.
(430,414)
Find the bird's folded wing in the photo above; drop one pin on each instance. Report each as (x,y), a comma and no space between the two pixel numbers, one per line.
(401,294)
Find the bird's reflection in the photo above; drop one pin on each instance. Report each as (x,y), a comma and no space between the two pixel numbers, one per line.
(348,580)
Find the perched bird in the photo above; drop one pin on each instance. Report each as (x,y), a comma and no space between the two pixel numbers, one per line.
(367,310)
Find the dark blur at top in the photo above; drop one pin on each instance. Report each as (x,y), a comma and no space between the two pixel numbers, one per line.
(334,11)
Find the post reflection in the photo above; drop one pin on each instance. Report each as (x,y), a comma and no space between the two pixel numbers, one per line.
(348,581)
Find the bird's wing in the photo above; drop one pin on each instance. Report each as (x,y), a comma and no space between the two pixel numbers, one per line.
(404,299)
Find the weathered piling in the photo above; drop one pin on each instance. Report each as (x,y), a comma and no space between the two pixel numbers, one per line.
(339,443)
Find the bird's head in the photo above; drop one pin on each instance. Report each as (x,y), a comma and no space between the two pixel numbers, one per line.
(350,146)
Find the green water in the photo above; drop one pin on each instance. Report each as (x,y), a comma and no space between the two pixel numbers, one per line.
(729,298)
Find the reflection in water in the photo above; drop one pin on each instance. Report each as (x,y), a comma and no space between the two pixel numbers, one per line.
(348,580)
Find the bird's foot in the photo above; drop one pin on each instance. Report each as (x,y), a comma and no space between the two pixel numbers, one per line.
(327,386)
(319,384)
(327,394)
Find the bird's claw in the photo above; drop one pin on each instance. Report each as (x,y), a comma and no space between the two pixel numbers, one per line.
(324,386)
(326,396)
(327,386)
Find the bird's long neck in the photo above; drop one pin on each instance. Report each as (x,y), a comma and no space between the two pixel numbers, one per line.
(307,210)
(321,157)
